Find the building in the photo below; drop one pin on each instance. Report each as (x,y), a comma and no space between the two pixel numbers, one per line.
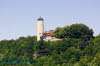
(41,35)
(48,35)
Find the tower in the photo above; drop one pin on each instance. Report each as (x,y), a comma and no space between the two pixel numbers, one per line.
(40,29)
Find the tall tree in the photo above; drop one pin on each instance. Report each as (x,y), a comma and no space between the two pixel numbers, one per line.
(74,31)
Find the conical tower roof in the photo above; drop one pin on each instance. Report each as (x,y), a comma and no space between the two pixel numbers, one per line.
(40,18)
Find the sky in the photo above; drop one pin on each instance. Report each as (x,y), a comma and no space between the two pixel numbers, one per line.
(18,18)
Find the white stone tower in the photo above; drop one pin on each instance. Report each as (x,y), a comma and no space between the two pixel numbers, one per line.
(40,29)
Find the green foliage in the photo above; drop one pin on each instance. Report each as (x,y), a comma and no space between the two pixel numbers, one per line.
(77,48)
(45,61)
(96,46)
(58,32)
(74,31)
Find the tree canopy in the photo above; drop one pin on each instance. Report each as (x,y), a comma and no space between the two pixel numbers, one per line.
(74,31)
(72,50)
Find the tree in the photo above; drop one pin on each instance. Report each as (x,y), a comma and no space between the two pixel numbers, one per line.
(96,60)
(58,32)
(80,31)
(45,61)
(96,47)
(74,31)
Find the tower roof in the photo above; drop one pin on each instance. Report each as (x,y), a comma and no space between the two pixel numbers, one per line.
(40,18)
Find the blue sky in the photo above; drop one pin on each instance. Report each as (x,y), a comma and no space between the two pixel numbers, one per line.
(19,17)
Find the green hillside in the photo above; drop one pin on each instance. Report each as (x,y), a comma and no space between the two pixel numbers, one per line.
(78,47)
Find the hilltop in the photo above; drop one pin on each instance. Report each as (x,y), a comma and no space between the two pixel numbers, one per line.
(78,47)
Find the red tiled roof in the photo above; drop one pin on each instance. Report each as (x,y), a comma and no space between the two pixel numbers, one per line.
(48,32)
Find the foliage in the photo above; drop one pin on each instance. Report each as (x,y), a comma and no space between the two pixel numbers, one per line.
(74,31)
(72,50)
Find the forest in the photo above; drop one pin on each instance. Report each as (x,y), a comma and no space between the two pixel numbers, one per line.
(78,47)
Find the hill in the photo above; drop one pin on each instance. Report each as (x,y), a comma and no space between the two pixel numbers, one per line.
(70,51)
